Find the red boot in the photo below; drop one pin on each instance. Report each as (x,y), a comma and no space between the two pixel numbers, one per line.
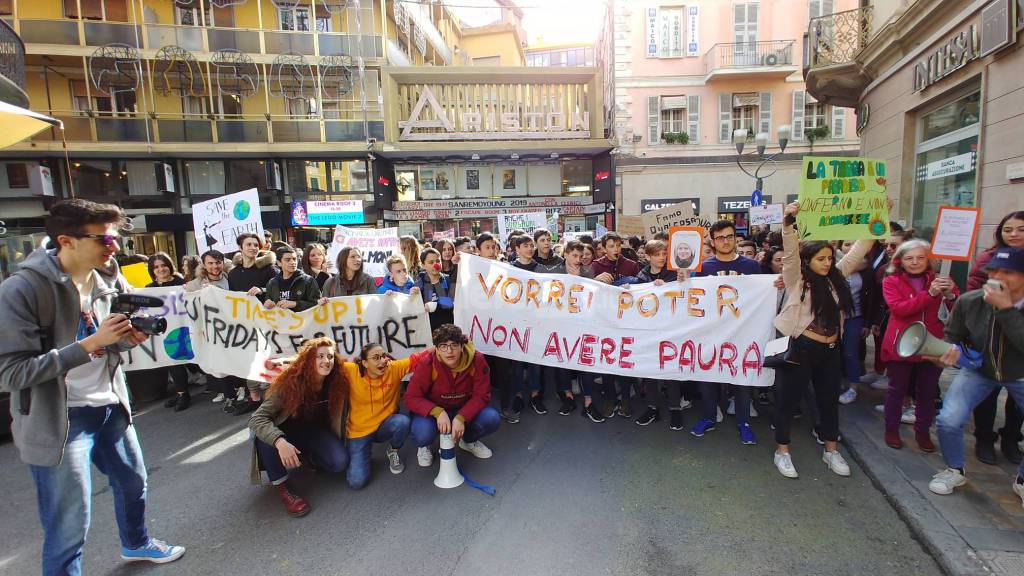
(295,505)
(924,442)
(892,439)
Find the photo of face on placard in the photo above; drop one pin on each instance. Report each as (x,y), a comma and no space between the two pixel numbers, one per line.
(684,249)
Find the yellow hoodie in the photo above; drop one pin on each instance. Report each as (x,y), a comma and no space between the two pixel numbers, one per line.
(371,401)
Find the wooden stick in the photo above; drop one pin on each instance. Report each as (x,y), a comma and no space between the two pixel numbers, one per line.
(944,269)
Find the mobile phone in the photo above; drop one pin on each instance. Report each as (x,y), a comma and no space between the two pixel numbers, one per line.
(995,285)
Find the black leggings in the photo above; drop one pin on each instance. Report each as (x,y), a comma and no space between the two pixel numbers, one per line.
(821,367)
(985,418)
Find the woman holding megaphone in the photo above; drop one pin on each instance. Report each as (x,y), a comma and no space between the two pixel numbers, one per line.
(914,293)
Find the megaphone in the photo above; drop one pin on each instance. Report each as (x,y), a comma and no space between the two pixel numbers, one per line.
(448,476)
(916,341)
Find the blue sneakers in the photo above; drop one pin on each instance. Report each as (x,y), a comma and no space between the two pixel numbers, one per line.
(702,427)
(156,551)
(747,434)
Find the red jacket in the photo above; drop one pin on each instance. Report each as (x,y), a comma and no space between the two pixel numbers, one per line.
(977,277)
(434,385)
(907,306)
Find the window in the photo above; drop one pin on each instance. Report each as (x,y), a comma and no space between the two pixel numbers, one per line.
(204,177)
(673,120)
(17,175)
(193,105)
(109,10)
(82,103)
(294,19)
(228,105)
(193,16)
(817,8)
(577,176)
(744,23)
(745,111)
(6,7)
(815,114)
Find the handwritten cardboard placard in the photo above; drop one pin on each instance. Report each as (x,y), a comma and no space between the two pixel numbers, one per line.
(219,221)
(526,222)
(629,226)
(766,214)
(375,245)
(675,215)
(843,199)
(956,230)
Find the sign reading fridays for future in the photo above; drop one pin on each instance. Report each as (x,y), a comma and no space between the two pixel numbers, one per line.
(843,199)
(218,222)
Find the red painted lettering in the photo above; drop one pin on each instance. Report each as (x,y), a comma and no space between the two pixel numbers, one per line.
(752,359)
(625,352)
(587,350)
(727,358)
(607,350)
(666,352)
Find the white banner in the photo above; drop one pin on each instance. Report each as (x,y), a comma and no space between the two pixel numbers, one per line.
(692,31)
(218,222)
(710,329)
(230,333)
(375,244)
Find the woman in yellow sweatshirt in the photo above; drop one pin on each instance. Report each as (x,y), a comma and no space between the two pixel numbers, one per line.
(374,389)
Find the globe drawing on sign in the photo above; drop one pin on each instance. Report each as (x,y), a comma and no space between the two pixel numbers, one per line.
(178,344)
(241,210)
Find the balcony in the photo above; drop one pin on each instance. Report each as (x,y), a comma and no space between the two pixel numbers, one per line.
(833,75)
(769,58)
(12,67)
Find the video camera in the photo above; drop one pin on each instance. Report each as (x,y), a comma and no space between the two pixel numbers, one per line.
(129,305)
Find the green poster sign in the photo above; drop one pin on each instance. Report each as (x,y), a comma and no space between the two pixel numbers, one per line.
(843,199)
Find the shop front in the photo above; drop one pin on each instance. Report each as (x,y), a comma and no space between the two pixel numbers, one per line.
(737,210)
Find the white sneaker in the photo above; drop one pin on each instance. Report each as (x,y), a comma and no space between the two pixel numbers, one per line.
(240,395)
(476,449)
(394,462)
(684,404)
(835,462)
(944,482)
(880,408)
(218,398)
(424,457)
(849,396)
(731,408)
(882,383)
(870,378)
(753,411)
(720,417)
(1018,489)
(909,415)
(784,462)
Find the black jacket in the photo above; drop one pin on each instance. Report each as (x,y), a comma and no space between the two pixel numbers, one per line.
(997,334)
(645,276)
(241,279)
(304,291)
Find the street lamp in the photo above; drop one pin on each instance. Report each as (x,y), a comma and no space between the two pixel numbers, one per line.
(739,139)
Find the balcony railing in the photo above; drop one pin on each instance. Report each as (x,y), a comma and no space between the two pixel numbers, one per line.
(838,38)
(735,55)
(12,67)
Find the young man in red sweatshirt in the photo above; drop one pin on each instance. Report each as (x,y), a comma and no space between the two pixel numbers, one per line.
(449,393)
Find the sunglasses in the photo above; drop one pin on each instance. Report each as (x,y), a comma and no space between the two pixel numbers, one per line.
(107,240)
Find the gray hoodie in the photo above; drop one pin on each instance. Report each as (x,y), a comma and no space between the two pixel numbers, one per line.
(37,378)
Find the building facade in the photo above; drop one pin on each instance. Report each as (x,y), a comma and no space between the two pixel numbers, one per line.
(938,93)
(687,75)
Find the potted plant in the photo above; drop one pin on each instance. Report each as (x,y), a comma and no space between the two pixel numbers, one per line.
(669,137)
(816,133)
(683,137)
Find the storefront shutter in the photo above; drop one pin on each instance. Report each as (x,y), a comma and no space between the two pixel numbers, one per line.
(653,120)
(798,114)
(693,118)
(838,122)
(765,111)
(724,117)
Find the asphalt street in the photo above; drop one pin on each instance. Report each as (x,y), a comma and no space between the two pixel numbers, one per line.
(573,497)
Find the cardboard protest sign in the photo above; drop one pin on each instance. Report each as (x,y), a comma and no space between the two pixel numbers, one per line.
(675,215)
(448,234)
(766,214)
(375,244)
(570,236)
(218,222)
(843,199)
(231,333)
(629,226)
(684,248)
(527,222)
(956,230)
(710,329)
(137,274)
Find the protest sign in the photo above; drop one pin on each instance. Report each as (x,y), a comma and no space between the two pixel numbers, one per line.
(629,226)
(684,248)
(231,333)
(448,234)
(766,214)
(709,329)
(526,222)
(570,236)
(956,230)
(675,215)
(137,274)
(843,199)
(375,244)
(218,222)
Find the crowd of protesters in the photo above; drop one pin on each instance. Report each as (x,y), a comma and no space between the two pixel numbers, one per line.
(327,411)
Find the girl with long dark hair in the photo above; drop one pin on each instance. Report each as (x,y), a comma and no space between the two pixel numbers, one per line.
(351,280)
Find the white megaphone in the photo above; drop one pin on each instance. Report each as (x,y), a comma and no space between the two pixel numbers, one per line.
(916,341)
(448,476)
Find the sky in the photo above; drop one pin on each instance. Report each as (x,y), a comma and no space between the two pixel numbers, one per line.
(547,21)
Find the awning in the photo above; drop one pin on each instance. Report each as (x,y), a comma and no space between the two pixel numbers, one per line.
(20,123)
(673,102)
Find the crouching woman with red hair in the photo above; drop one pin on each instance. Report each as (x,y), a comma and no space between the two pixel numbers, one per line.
(303,416)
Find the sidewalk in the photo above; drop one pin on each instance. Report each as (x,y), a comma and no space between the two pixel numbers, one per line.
(979,529)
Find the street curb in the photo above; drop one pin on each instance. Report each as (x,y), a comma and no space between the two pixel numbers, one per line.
(929,526)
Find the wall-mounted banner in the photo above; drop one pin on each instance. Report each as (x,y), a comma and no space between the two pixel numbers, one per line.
(709,329)
(375,244)
(218,222)
(230,333)
(843,199)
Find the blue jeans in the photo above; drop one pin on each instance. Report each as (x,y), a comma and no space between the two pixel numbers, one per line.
(394,430)
(104,437)
(317,445)
(424,428)
(524,376)
(709,394)
(853,365)
(968,389)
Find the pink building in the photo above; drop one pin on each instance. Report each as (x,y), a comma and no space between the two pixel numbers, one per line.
(685,76)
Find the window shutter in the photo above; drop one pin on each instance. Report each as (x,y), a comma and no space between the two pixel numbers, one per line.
(765,110)
(814,8)
(838,122)
(725,117)
(653,120)
(693,118)
(798,114)
(827,7)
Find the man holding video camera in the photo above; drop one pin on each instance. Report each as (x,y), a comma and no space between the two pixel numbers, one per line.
(59,358)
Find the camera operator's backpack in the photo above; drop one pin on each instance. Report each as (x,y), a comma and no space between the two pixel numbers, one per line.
(45,306)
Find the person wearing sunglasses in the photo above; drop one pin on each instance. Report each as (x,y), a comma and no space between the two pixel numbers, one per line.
(67,384)
(450,393)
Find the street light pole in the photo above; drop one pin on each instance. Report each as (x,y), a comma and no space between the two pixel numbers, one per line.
(739,139)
